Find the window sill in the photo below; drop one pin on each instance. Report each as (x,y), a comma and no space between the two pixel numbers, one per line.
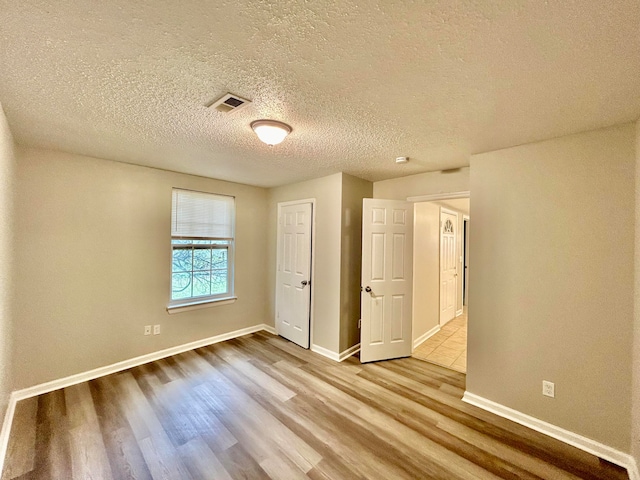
(186,307)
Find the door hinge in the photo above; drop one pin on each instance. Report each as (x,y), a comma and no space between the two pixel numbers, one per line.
(359,323)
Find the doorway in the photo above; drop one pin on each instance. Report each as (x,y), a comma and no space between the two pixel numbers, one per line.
(441,282)
(465,261)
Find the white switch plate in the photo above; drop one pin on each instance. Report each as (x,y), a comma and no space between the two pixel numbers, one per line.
(548,389)
(156,329)
(147,329)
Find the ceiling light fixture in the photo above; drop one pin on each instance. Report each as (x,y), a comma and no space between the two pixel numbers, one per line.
(271,132)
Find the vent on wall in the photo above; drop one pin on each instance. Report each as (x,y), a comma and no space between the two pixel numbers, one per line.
(229,103)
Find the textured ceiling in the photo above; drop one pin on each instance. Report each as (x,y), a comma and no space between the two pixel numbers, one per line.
(360,82)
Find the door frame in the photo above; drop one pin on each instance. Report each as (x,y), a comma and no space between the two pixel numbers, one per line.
(457,236)
(434,197)
(439,196)
(312,201)
(465,259)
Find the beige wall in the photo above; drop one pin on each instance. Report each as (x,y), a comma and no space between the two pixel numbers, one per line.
(353,191)
(458,204)
(423,184)
(426,268)
(635,445)
(7,186)
(552,280)
(326,276)
(94,260)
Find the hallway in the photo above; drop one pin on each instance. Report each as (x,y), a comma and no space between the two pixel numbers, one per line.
(448,347)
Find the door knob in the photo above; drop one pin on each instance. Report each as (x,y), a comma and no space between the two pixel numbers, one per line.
(367,289)
(304,283)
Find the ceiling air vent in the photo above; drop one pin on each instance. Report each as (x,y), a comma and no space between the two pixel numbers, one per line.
(229,103)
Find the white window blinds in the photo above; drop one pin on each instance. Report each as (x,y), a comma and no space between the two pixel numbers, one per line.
(202,215)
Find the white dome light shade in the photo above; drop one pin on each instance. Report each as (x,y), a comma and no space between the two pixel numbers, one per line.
(271,132)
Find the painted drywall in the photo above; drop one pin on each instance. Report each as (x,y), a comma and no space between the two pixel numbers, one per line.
(426,268)
(353,191)
(423,184)
(551,294)
(458,204)
(94,259)
(635,414)
(7,186)
(327,191)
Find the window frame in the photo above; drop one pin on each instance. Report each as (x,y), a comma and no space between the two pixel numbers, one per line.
(192,302)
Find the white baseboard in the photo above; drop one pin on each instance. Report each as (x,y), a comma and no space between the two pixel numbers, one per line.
(269,329)
(336,357)
(632,470)
(425,336)
(348,352)
(6,429)
(583,443)
(325,352)
(47,387)
(132,362)
(459,312)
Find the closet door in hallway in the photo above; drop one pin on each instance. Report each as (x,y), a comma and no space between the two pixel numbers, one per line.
(448,264)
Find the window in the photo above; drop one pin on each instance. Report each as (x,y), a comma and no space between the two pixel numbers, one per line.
(202,240)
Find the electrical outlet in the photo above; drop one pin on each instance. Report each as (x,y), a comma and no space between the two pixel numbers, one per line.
(156,329)
(147,329)
(548,389)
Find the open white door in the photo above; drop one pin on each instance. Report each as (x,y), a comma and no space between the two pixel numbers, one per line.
(387,279)
(293,295)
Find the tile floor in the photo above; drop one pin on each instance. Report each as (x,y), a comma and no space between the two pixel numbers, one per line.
(448,347)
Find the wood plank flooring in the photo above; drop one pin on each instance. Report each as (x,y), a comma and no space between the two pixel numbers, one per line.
(259,407)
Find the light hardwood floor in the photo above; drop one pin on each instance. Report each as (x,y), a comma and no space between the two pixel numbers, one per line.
(259,407)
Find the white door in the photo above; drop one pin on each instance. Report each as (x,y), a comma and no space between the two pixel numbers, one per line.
(293,278)
(387,279)
(448,271)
